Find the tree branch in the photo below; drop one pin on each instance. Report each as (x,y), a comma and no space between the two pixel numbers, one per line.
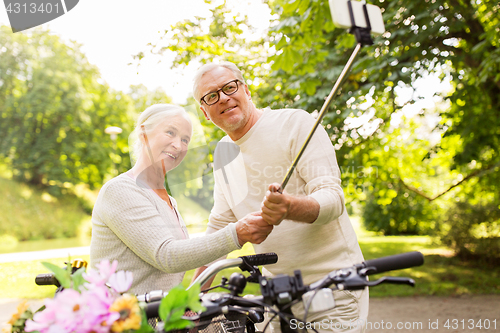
(472,175)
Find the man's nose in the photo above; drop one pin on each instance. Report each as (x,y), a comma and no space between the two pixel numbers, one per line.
(224,98)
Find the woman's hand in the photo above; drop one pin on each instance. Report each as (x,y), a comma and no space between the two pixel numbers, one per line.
(252,228)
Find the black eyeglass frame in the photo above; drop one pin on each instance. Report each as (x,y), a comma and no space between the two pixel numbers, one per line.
(219,90)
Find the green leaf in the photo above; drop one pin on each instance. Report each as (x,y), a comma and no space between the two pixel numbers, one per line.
(194,303)
(62,275)
(175,304)
(291,6)
(178,324)
(78,279)
(145,328)
(175,298)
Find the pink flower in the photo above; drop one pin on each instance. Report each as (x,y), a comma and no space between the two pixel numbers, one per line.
(61,312)
(101,277)
(121,281)
(85,311)
(96,310)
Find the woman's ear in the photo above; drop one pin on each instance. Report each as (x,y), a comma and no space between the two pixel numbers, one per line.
(142,135)
(142,138)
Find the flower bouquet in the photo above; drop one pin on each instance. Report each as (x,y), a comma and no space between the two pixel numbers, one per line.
(96,302)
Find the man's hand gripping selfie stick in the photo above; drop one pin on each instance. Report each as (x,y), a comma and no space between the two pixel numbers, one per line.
(361,19)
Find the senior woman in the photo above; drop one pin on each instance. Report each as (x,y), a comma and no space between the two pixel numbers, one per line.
(137,223)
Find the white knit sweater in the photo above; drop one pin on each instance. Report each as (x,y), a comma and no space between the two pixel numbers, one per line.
(262,156)
(136,227)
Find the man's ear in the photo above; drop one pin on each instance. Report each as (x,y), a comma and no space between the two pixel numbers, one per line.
(247,91)
(202,108)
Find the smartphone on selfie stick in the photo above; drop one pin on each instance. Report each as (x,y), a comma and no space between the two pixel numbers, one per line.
(361,19)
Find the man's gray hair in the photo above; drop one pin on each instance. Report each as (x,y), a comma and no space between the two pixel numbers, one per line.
(209,67)
(150,118)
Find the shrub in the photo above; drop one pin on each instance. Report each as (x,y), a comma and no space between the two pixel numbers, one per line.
(473,230)
(405,214)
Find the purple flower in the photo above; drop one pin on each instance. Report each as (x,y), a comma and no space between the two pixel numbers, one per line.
(121,281)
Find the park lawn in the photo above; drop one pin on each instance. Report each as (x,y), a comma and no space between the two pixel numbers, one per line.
(441,274)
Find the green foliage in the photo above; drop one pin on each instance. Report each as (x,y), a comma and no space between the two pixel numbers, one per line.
(54,112)
(222,35)
(405,214)
(142,97)
(176,303)
(473,230)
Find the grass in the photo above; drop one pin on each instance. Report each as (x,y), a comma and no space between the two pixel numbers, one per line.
(27,213)
(43,244)
(441,275)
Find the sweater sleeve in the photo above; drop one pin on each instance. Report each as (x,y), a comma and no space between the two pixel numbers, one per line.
(317,167)
(133,217)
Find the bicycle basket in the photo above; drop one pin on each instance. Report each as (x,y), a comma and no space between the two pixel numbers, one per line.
(230,323)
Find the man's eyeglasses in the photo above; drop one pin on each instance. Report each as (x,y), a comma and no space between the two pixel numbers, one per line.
(228,89)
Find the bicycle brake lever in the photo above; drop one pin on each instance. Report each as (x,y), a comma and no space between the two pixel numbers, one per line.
(253,270)
(392,280)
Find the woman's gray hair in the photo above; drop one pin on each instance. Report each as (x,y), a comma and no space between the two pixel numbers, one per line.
(209,67)
(150,118)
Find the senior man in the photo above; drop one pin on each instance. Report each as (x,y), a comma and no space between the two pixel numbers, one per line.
(312,230)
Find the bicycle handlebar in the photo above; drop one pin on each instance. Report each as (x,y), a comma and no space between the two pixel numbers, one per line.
(48,279)
(392,263)
(252,260)
(350,278)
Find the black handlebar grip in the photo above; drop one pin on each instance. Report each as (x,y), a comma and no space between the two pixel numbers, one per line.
(399,261)
(262,259)
(46,280)
(151,309)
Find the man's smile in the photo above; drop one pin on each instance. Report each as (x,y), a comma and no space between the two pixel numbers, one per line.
(228,109)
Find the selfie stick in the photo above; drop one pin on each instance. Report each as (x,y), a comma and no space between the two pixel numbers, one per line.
(363,37)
